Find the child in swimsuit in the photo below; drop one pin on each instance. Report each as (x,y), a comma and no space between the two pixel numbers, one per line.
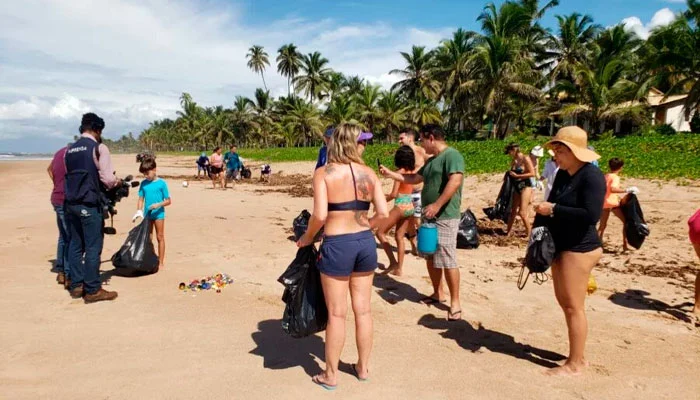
(400,216)
(611,204)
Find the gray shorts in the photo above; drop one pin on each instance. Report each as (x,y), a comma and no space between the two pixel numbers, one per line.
(417,206)
(445,256)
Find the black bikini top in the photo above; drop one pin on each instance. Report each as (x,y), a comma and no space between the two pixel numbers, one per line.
(352,205)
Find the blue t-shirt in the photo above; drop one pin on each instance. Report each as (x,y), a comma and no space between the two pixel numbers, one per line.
(322,157)
(153,192)
(203,160)
(232,160)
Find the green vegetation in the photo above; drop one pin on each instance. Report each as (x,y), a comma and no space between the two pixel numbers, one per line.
(654,156)
(511,77)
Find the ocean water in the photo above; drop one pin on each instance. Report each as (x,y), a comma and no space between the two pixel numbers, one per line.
(24,157)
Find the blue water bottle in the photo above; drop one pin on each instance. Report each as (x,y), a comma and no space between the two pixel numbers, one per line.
(427,238)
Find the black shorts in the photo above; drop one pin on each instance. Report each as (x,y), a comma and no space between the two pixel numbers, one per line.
(216,170)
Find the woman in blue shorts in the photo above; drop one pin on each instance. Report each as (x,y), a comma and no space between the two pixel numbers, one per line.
(343,192)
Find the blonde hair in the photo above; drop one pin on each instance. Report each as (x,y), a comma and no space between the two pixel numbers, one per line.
(343,146)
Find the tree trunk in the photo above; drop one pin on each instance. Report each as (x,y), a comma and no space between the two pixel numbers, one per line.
(263,78)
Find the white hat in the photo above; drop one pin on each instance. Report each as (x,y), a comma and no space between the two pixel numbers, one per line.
(537,151)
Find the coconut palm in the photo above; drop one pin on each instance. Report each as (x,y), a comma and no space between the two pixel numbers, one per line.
(242,119)
(305,120)
(257,60)
(366,102)
(354,84)
(572,45)
(314,77)
(423,111)
(341,109)
(392,113)
(288,64)
(417,81)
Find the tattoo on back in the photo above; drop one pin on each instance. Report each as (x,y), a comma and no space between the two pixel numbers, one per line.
(330,168)
(364,185)
(361,218)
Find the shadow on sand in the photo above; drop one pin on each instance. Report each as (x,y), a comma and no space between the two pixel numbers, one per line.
(638,300)
(393,291)
(473,339)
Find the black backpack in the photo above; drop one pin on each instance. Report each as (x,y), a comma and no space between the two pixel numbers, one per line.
(539,256)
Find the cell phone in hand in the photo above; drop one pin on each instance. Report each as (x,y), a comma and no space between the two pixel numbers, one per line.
(379,164)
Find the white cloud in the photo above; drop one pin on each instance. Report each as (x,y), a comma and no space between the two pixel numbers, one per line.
(676,1)
(131,65)
(662,17)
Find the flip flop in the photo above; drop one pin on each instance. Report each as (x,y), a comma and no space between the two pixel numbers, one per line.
(431,300)
(450,314)
(357,375)
(323,385)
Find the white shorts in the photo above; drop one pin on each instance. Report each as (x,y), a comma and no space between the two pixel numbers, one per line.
(417,206)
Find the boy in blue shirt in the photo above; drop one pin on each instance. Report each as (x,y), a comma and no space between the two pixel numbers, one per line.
(203,164)
(153,198)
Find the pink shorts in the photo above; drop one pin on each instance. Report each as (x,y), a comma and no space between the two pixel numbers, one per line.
(694,228)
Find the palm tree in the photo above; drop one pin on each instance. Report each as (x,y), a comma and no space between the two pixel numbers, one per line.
(305,120)
(341,109)
(416,82)
(572,46)
(366,102)
(288,64)
(257,60)
(603,94)
(262,108)
(336,84)
(189,117)
(314,79)
(392,113)
(242,119)
(423,112)
(673,58)
(354,84)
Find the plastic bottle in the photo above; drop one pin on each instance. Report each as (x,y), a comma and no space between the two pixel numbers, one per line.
(592,284)
(427,238)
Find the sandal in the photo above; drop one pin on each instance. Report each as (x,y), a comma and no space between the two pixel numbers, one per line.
(431,300)
(357,374)
(450,315)
(326,386)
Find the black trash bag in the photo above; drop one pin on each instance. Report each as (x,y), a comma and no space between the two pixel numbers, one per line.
(501,210)
(468,234)
(636,229)
(305,312)
(539,256)
(246,173)
(301,224)
(137,253)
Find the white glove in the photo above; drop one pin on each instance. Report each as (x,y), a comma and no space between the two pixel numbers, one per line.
(540,185)
(633,189)
(139,214)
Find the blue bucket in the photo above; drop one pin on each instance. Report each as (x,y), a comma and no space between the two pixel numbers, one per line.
(427,238)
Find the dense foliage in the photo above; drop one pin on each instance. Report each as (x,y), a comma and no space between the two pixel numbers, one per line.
(512,76)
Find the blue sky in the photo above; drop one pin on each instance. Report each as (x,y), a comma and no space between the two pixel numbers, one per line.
(129,60)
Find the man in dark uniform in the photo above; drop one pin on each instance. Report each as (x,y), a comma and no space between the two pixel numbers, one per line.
(88,166)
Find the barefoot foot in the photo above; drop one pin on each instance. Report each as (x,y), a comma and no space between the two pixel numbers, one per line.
(568,369)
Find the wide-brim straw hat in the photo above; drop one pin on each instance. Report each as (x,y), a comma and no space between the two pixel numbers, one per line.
(576,139)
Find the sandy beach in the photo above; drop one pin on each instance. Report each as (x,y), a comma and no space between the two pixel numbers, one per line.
(156,342)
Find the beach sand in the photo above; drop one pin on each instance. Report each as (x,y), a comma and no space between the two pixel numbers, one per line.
(156,342)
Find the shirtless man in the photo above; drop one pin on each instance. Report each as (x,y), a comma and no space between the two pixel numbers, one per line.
(407,138)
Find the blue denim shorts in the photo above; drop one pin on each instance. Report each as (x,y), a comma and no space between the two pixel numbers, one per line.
(341,255)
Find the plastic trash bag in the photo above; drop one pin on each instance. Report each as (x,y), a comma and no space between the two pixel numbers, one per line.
(501,210)
(137,253)
(636,228)
(305,312)
(246,173)
(539,256)
(301,224)
(468,234)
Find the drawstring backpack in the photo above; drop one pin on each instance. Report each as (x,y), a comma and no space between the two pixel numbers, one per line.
(539,256)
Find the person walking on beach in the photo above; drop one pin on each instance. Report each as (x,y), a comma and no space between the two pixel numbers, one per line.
(233,165)
(611,204)
(536,153)
(401,215)
(153,198)
(88,165)
(442,177)
(521,170)
(343,192)
(216,168)
(57,173)
(571,213)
